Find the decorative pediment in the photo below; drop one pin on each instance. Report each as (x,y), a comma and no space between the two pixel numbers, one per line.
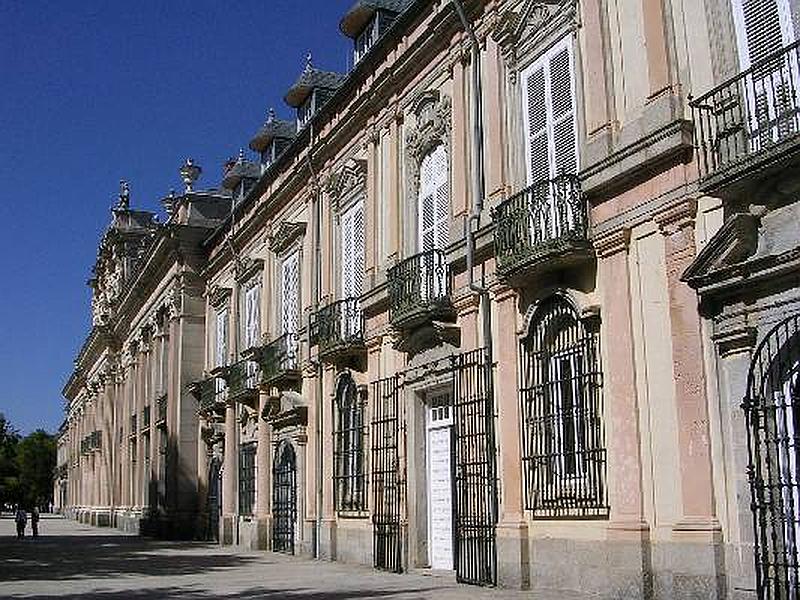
(218,296)
(247,268)
(351,177)
(735,242)
(285,236)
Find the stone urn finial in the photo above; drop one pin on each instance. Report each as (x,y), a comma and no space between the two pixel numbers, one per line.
(190,172)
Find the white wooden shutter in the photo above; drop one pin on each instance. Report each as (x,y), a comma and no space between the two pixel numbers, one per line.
(762,27)
(434,200)
(252,300)
(290,297)
(352,250)
(549,116)
(221,351)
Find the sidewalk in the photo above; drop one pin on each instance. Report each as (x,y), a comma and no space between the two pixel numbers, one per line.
(72,561)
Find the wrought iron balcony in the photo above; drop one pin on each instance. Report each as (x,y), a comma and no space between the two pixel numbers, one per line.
(209,393)
(243,380)
(749,125)
(419,291)
(338,331)
(280,361)
(161,411)
(541,228)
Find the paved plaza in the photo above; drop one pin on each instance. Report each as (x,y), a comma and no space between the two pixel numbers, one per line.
(74,561)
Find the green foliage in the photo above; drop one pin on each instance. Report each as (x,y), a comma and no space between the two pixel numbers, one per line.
(26,466)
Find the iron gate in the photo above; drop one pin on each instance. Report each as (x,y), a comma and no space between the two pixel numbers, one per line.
(387,475)
(474,465)
(772,411)
(284,498)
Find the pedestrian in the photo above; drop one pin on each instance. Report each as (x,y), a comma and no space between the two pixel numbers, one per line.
(21,519)
(35,521)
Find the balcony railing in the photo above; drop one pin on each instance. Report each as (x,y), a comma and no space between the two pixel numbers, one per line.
(545,220)
(280,359)
(209,393)
(243,380)
(161,410)
(338,327)
(419,289)
(749,120)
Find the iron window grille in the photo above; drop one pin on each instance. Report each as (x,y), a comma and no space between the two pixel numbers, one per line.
(563,446)
(247,478)
(284,498)
(349,477)
(772,411)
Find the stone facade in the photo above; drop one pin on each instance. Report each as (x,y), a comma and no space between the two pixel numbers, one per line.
(403,274)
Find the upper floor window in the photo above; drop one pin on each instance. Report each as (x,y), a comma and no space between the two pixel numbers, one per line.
(548,88)
(290,293)
(366,39)
(433,209)
(563,447)
(306,111)
(351,229)
(763,27)
(251,307)
(221,338)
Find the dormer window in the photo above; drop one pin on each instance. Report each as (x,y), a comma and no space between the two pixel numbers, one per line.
(306,111)
(272,139)
(311,91)
(366,39)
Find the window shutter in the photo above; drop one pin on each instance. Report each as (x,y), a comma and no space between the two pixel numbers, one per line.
(434,200)
(221,351)
(290,284)
(252,316)
(536,126)
(762,27)
(550,123)
(352,248)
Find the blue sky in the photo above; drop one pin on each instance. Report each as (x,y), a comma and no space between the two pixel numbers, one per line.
(97,91)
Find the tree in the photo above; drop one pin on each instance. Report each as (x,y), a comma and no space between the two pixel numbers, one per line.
(9,469)
(36,459)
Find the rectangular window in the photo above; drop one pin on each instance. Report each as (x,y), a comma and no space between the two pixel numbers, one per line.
(551,138)
(290,293)
(251,333)
(247,478)
(351,229)
(306,111)
(221,348)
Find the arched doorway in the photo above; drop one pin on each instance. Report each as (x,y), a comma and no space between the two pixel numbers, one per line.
(214,500)
(284,498)
(772,410)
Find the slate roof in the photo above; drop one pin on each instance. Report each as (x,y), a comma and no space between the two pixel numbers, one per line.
(309,79)
(354,21)
(271,129)
(241,169)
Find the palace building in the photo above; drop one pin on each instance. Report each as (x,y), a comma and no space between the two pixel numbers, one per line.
(516,297)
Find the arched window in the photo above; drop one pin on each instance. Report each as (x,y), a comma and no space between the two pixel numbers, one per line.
(564,456)
(772,408)
(349,480)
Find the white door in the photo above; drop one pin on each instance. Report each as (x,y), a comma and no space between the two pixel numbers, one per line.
(440,483)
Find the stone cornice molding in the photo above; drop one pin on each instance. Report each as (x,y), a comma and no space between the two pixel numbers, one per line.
(676,217)
(247,269)
(218,296)
(352,177)
(736,341)
(613,242)
(433,113)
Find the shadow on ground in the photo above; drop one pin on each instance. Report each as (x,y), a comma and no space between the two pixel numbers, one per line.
(250,594)
(65,557)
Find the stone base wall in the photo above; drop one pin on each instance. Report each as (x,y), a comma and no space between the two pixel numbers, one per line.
(354,542)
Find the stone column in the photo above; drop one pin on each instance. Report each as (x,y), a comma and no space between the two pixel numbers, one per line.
(371,204)
(229,475)
(325,404)
(512,530)
(677,226)
(263,476)
(393,219)
(459,161)
(655,45)
(594,72)
(494,121)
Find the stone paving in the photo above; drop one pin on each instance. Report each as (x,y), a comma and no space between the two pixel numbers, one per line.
(73,561)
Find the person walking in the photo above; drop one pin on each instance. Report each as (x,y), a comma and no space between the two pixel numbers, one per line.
(21,519)
(35,521)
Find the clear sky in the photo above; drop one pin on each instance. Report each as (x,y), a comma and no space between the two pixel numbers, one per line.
(94,91)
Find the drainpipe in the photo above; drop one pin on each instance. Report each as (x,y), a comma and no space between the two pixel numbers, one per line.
(475,215)
(317,284)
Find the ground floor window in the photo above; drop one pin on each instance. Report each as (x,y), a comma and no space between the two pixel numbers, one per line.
(564,455)
(350,493)
(247,478)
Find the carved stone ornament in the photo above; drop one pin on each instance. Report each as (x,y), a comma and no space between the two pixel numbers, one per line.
(246,269)
(285,236)
(433,123)
(217,295)
(351,177)
(530,24)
